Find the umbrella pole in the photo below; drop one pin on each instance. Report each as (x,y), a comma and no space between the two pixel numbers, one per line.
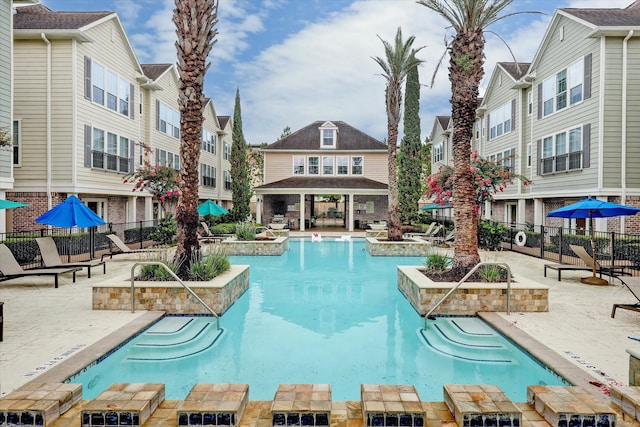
(593,280)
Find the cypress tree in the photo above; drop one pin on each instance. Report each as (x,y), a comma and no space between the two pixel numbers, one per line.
(240,186)
(410,156)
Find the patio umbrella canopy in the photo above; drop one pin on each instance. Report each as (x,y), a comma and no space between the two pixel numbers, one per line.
(593,208)
(432,206)
(211,208)
(70,213)
(8,204)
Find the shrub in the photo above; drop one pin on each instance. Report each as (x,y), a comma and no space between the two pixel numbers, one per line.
(492,273)
(157,273)
(491,234)
(209,264)
(437,262)
(246,231)
(166,230)
(225,228)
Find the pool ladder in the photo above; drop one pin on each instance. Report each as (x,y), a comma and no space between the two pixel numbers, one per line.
(184,285)
(429,315)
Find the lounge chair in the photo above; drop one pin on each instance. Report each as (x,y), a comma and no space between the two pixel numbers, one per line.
(610,270)
(432,229)
(51,257)
(124,249)
(440,240)
(11,269)
(208,236)
(629,283)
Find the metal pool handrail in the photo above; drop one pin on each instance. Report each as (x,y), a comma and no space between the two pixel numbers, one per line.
(428,316)
(166,267)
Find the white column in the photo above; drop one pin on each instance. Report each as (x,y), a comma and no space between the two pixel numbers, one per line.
(259,209)
(131,209)
(302,212)
(521,213)
(351,211)
(538,212)
(3,214)
(148,208)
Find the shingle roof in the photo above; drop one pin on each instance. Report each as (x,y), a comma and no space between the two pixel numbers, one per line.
(611,17)
(349,138)
(444,121)
(299,182)
(39,17)
(515,69)
(153,71)
(223,120)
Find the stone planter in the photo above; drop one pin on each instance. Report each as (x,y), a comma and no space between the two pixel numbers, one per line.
(275,246)
(219,294)
(471,297)
(409,247)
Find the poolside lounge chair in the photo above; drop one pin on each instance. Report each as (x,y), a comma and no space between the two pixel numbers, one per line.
(51,257)
(432,229)
(629,283)
(608,269)
(124,249)
(208,236)
(11,269)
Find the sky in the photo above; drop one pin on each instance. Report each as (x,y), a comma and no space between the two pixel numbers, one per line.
(299,61)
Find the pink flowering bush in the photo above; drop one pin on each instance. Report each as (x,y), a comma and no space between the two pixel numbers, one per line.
(163,182)
(490,178)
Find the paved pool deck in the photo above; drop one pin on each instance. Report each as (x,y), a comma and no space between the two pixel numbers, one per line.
(44,326)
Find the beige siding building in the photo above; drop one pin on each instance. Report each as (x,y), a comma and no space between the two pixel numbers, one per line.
(324,158)
(84,107)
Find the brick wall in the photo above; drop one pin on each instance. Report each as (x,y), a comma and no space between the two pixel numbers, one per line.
(24,220)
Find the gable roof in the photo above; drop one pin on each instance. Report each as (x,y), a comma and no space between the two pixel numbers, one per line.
(154,71)
(611,17)
(515,69)
(223,120)
(310,182)
(308,138)
(443,121)
(40,17)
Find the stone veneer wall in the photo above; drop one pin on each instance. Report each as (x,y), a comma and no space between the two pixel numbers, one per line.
(276,246)
(423,294)
(416,247)
(219,294)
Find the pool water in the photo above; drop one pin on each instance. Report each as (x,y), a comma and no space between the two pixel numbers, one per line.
(323,312)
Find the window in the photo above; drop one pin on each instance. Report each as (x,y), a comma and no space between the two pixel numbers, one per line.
(562,152)
(227,180)
(328,135)
(327,165)
(438,152)
(507,159)
(208,141)
(167,158)
(343,165)
(529,154)
(357,165)
(15,134)
(477,130)
(564,89)
(298,165)
(500,120)
(168,120)
(111,154)
(529,102)
(227,151)
(105,87)
(313,163)
(208,176)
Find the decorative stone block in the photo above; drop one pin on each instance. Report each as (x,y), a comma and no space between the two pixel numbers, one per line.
(301,405)
(570,406)
(391,406)
(123,405)
(627,398)
(38,404)
(481,406)
(213,405)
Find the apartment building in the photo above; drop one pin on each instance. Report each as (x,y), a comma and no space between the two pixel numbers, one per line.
(82,105)
(567,121)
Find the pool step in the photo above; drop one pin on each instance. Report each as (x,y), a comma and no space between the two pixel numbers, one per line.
(466,340)
(176,340)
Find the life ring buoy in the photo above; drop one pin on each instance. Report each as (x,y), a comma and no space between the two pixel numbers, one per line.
(521,238)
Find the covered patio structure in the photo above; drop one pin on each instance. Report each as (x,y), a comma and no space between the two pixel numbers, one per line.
(293,201)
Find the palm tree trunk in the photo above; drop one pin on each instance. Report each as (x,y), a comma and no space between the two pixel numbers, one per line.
(465,74)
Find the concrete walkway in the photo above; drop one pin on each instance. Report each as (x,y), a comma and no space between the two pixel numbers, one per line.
(43,325)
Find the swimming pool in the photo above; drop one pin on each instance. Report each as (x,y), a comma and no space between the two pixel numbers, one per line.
(323,312)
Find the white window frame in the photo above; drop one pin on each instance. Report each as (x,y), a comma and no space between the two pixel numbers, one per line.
(529,102)
(561,152)
(357,165)
(298,165)
(208,175)
(438,152)
(169,120)
(563,89)
(227,180)
(342,165)
(227,151)
(110,90)
(16,134)
(328,167)
(110,151)
(500,121)
(328,137)
(208,141)
(313,165)
(529,155)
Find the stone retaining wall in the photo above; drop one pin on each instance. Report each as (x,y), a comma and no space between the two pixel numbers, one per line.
(276,246)
(470,298)
(414,247)
(634,367)
(171,297)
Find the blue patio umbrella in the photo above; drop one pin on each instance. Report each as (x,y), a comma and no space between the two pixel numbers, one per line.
(211,208)
(593,208)
(70,213)
(8,204)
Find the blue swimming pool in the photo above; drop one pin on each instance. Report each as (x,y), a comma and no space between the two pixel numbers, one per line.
(323,312)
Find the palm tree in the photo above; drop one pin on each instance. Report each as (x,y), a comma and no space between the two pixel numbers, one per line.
(195,21)
(469,19)
(399,59)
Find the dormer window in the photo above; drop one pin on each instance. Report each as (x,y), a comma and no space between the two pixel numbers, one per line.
(328,135)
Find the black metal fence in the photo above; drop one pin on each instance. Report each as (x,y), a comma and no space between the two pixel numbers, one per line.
(76,243)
